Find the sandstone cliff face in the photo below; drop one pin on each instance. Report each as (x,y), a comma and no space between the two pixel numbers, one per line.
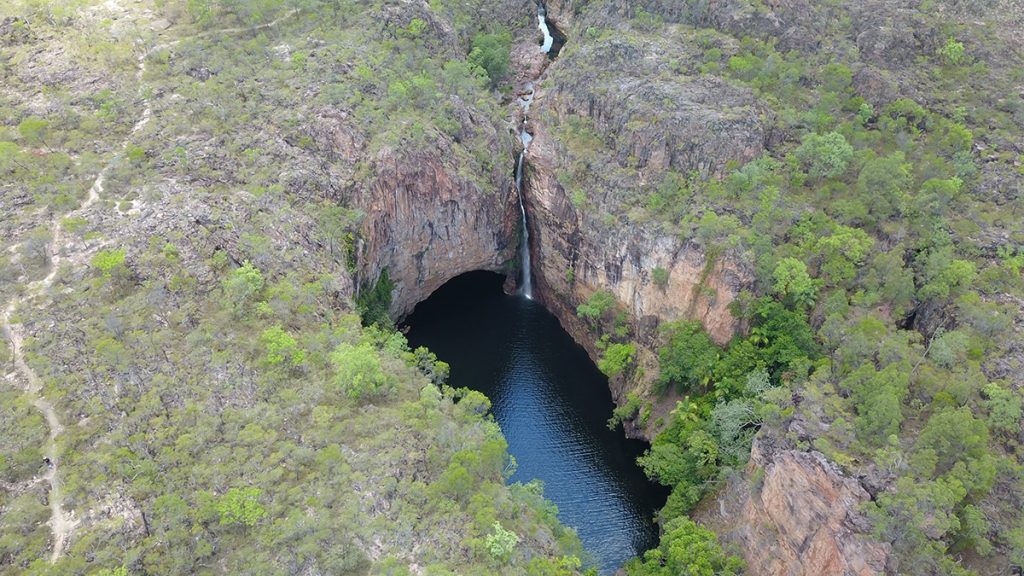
(426,223)
(427,216)
(584,246)
(802,519)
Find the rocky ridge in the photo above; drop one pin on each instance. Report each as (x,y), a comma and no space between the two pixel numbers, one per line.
(800,518)
(605,87)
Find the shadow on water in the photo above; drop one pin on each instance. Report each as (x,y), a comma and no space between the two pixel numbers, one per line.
(552,405)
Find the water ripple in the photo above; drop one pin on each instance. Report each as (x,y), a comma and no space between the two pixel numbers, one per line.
(551,404)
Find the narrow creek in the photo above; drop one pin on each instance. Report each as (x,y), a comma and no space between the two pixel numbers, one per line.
(552,405)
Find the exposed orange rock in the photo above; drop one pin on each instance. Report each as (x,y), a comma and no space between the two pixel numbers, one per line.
(803,519)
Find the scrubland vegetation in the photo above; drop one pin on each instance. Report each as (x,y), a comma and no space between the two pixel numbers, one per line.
(227,410)
(885,242)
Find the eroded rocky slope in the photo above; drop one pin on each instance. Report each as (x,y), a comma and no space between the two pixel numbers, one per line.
(602,133)
(648,89)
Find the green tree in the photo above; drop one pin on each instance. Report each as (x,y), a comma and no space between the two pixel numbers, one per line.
(686,549)
(1005,408)
(241,506)
(11,157)
(434,369)
(974,530)
(281,347)
(563,566)
(734,423)
(954,435)
(945,276)
(782,336)
(793,283)
(119,571)
(501,543)
(883,183)
(358,371)
(836,77)
(242,286)
(492,53)
(889,278)
(34,129)
(688,359)
(878,397)
(842,252)
(949,348)
(825,156)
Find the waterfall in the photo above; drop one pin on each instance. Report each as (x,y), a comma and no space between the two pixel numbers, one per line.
(526,285)
(526,282)
(542,19)
(525,99)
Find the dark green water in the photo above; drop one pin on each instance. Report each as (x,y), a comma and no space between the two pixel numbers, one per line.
(552,405)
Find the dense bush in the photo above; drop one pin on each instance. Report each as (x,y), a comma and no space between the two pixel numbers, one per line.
(491,53)
(374,304)
(686,549)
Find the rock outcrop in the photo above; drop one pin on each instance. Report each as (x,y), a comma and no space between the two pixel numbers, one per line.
(801,519)
(584,238)
(426,224)
(427,216)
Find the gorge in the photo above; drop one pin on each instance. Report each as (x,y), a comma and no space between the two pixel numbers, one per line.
(564,252)
(548,397)
(322,286)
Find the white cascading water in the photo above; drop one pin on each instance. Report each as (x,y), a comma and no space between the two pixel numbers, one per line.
(526,286)
(524,248)
(542,18)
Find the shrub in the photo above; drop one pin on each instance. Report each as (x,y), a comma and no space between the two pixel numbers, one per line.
(952,52)
(596,306)
(415,29)
(625,412)
(241,507)
(660,277)
(616,358)
(374,305)
(825,156)
(686,548)
(109,262)
(492,53)
(358,371)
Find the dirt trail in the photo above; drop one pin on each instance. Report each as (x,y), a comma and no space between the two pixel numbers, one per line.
(63,523)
